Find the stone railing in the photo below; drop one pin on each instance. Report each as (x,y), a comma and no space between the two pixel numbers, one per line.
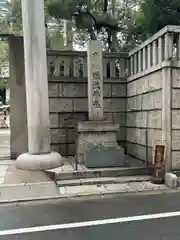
(74,64)
(162,46)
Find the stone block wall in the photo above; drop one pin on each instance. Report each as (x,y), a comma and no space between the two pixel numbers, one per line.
(69,105)
(175,118)
(144,113)
(68,101)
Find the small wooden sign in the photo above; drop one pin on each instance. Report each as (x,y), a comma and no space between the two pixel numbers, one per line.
(159,162)
(159,155)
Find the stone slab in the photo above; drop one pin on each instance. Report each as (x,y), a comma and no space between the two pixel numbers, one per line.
(17,192)
(108,157)
(17,176)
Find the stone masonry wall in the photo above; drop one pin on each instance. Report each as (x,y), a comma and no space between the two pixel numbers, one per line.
(175,118)
(69,105)
(144,110)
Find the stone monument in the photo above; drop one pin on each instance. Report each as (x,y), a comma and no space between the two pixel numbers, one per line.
(96,144)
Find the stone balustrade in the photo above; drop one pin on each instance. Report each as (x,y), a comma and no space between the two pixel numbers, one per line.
(162,46)
(74,64)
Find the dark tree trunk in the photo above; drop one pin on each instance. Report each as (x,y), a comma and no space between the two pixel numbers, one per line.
(105,6)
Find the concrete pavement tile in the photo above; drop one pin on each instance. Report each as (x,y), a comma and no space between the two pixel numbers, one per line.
(17,176)
(62,190)
(79,190)
(150,185)
(21,191)
(118,187)
(136,186)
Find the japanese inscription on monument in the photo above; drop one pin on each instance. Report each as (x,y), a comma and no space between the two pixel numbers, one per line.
(95,80)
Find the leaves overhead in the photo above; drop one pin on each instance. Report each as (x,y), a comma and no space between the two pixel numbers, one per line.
(154,15)
(86,14)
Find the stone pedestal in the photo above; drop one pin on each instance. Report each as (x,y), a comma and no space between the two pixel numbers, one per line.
(97,145)
(39,156)
(95,137)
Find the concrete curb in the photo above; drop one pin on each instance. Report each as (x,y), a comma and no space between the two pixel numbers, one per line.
(26,191)
(59,196)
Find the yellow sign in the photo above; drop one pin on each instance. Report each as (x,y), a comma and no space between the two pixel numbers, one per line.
(159,153)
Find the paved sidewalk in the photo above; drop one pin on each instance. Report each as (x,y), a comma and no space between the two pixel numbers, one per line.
(18,185)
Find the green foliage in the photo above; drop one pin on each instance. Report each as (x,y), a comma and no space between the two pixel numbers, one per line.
(87,15)
(154,15)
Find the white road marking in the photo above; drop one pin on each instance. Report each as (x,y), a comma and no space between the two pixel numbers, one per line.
(88,223)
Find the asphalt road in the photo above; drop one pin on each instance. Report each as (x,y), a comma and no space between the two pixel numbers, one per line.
(131,217)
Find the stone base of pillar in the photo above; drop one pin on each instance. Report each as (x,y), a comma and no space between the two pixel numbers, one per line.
(27,161)
(97,145)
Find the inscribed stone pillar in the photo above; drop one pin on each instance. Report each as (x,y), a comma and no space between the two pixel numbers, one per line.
(39,156)
(95,80)
(18,114)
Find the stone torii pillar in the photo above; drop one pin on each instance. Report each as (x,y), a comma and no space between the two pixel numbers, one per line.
(39,156)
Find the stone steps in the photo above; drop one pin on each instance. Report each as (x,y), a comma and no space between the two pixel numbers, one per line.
(58,174)
(101,181)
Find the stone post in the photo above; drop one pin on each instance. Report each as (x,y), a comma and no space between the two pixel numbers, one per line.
(95,80)
(39,156)
(18,114)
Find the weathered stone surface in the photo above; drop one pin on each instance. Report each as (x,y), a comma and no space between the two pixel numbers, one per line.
(142,136)
(63,148)
(53,89)
(108,117)
(131,119)
(153,136)
(142,85)
(71,149)
(131,134)
(95,80)
(71,135)
(121,134)
(60,105)
(171,180)
(134,103)
(55,148)
(54,120)
(155,119)
(95,132)
(158,99)
(175,98)
(58,136)
(175,119)
(71,119)
(73,90)
(80,105)
(141,119)
(131,89)
(119,118)
(176,78)
(175,160)
(175,139)
(106,90)
(155,80)
(148,101)
(114,105)
(118,90)
(136,150)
